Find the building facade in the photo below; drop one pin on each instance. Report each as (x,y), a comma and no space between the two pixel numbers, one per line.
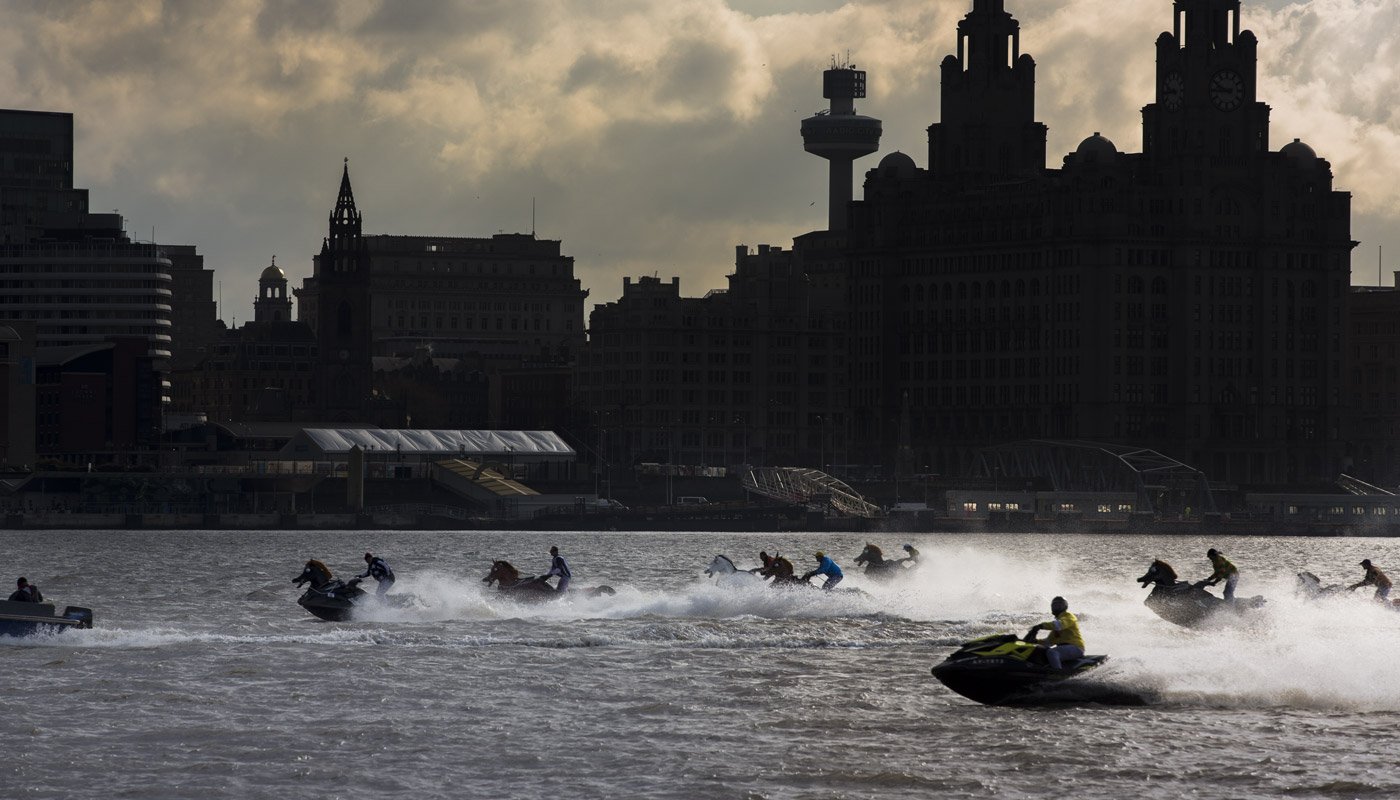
(1188,298)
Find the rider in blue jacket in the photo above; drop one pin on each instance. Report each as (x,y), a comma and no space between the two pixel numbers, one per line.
(378,569)
(558,566)
(827,567)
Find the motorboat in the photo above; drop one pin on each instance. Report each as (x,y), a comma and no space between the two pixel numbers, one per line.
(18,618)
(1007,670)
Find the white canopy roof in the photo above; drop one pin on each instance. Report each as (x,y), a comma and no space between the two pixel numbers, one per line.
(428,442)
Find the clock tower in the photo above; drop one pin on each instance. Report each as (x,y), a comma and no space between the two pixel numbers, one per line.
(1207,106)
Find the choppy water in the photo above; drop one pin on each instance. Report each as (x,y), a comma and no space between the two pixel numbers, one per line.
(204,679)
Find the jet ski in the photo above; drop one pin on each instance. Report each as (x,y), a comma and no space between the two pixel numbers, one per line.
(332,601)
(1007,670)
(1188,604)
(22,619)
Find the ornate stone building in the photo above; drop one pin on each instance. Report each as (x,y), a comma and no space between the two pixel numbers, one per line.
(1187,298)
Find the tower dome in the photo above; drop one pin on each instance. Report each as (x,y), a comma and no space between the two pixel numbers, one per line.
(1300,153)
(273,273)
(897,165)
(1096,149)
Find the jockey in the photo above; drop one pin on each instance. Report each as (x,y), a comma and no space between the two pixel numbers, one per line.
(767,562)
(827,567)
(316,572)
(379,570)
(1224,571)
(776,567)
(558,566)
(913,557)
(26,592)
(1374,577)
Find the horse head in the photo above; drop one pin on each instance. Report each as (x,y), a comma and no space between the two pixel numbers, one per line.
(502,572)
(1160,573)
(721,565)
(872,554)
(316,572)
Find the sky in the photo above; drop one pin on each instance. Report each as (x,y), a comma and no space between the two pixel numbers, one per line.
(651,136)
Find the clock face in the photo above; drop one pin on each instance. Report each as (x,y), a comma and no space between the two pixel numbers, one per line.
(1173,91)
(1227,90)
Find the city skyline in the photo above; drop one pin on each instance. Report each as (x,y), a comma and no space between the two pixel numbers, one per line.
(650,138)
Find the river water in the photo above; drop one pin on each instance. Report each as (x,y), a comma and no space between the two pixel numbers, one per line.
(204,679)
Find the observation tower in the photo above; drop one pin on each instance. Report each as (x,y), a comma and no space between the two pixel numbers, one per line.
(840,135)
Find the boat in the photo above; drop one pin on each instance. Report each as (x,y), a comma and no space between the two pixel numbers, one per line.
(1189,604)
(22,619)
(1007,670)
(333,601)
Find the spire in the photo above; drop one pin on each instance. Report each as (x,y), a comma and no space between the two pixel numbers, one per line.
(345,219)
(345,203)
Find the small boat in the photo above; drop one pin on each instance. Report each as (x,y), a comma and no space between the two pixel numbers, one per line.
(22,619)
(1005,670)
(333,601)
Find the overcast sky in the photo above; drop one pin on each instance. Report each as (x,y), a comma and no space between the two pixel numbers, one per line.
(653,135)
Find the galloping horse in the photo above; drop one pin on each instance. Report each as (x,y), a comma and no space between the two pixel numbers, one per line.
(876,565)
(532,589)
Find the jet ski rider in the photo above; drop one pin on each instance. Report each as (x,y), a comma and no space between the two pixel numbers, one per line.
(775,567)
(1064,642)
(1374,577)
(558,566)
(827,567)
(913,557)
(378,569)
(1224,571)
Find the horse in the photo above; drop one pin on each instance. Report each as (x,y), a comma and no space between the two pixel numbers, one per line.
(724,570)
(1185,603)
(877,566)
(533,588)
(316,572)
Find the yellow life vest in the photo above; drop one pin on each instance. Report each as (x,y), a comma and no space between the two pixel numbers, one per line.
(1068,632)
(1223,567)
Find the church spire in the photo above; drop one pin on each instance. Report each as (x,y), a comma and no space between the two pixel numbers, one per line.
(345,219)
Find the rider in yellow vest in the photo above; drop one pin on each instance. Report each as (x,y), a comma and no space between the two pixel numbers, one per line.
(1224,571)
(1064,642)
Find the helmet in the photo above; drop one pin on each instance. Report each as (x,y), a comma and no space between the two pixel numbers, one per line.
(1366,562)
(369,556)
(1211,553)
(1059,605)
(553,550)
(820,555)
(908,547)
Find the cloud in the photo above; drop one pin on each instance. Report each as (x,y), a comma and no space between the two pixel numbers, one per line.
(653,135)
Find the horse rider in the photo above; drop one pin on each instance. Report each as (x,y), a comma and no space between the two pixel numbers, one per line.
(558,566)
(1224,571)
(26,592)
(912,558)
(316,572)
(1374,577)
(1064,642)
(776,567)
(767,562)
(827,567)
(378,569)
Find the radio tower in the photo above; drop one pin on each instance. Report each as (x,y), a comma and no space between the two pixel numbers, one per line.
(840,135)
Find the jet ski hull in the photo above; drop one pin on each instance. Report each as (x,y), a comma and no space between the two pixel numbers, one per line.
(26,619)
(332,603)
(1188,605)
(1004,670)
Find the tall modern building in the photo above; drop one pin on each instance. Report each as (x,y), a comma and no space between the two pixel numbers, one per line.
(1187,298)
(77,276)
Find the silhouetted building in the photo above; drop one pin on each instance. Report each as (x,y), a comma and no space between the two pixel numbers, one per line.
(1373,385)
(94,402)
(754,374)
(194,318)
(507,303)
(265,370)
(1186,299)
(80,279)
(17,394)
